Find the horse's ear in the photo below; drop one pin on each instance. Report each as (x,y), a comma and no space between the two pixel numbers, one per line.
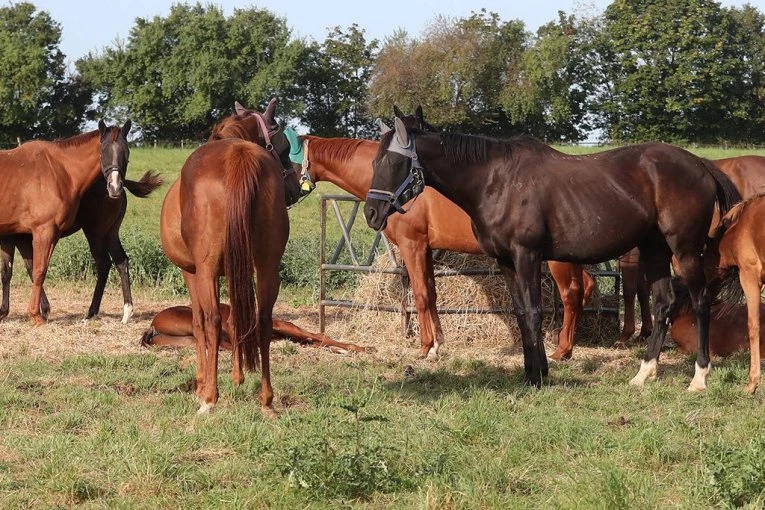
(270,113)
(402,137)
(101,127)
(126,128)
(382,126)
(397,113)
(418,115)
(239,109)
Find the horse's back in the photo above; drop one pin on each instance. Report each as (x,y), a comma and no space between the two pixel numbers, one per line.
(746,172)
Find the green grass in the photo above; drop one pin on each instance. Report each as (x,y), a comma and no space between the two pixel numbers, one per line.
(121,432)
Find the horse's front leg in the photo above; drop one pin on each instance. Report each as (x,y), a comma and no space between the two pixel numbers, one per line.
(120,259)
(523,274)
(43,241)
(7,249)
(750,281)
(198,332)
(24,245)
(418,259)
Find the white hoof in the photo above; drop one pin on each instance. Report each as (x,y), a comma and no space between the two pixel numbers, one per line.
(205,408)
(647,372)
(699,381)
(127,312)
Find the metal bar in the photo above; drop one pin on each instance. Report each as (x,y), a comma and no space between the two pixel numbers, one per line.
(346,229)
(373,250)
(346,235)
(322,282)
(476,311)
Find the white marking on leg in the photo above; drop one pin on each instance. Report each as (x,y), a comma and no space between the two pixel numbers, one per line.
(205,408)
(647,372)
(699,381)
(127,313)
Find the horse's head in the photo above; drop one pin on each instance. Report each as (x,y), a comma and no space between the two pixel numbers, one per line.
(264,130)
(115,155)
(416,121)
(397,175)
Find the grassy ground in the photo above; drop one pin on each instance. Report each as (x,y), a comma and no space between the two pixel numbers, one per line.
(88,418)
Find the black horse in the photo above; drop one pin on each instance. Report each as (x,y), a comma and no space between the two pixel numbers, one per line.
(529,202)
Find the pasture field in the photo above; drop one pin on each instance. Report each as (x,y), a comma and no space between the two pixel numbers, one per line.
(89,418)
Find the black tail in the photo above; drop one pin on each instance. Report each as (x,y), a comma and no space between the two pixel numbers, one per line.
(143,187)
(730,293)
(727,194)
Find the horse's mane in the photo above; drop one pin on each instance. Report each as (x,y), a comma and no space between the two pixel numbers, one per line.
(733,215)
(473,149)
(235,126)
(81,139)
(334,149)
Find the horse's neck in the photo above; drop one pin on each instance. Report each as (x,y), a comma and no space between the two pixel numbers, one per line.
(353,175)
(461,185)
(82,164)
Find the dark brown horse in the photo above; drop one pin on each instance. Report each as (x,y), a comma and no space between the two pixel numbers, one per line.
(173,327)
(748,175)
(227,215)
(100,218)
(529,202)
(433,223)
(43,184)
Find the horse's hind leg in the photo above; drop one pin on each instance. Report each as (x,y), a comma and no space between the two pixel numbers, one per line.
(7,249)
(657,260)
(120,259)
(751,283)
(267,277)
(418,260)
(97,244)
(568,278)
(644,299)
(208,302)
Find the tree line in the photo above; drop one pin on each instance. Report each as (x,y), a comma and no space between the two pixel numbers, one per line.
(688,71)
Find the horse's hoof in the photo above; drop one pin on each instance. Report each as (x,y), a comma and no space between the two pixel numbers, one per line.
(751,388)
(127,313)
(432,355)
(647,372)
(699,381)
(38,320)
(205,408)
(697,388)
(269,413)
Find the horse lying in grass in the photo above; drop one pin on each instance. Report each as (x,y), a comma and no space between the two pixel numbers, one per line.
(172,327)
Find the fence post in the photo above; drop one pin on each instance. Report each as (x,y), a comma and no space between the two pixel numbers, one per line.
(322,240)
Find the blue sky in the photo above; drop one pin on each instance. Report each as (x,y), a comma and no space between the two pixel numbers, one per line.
(90,25)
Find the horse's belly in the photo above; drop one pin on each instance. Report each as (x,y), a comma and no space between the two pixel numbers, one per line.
(170,231)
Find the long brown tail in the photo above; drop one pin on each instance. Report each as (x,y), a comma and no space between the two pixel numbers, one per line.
(241,191)
(143,187)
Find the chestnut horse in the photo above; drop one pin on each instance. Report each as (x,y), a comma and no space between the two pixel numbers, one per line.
(433,223)
(100,218)
(173,327)
(738,253)
(529,202)
(43,184)
(727,325)
(227,215)
(748,175)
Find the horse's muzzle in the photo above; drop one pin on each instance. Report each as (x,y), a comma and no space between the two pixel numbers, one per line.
(114,184)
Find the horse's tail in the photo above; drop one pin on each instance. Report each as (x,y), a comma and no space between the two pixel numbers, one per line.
(143,187)
(727,194)
(241,190)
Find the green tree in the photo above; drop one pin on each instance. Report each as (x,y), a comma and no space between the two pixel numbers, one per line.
(178,75)
(39,99)
(667,70)
(456,71)
(548,90)
(333,84)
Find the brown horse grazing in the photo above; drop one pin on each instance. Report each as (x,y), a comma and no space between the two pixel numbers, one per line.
(172,327)
(100,218)
(227,215)
(748,175)
(433,223)
(529,202)
(43,183)
(740,254)
(727,325)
